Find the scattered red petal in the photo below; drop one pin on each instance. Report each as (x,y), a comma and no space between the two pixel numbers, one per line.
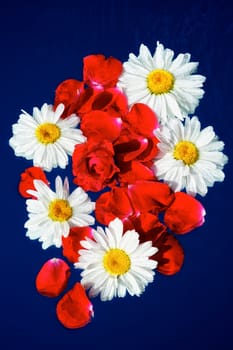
(131,146)
(111,101)
(74,310)
(115,203)
(170,255)
(134,171)
(99,125)
(71,244)
(150,195)
(101,72)
(27,178)
(184,214)
(68,93)
(147,225)
(142,120)
(53,277)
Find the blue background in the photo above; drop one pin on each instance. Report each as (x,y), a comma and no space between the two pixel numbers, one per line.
(41,45)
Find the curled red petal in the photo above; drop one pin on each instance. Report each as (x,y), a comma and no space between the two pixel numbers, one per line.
(101,72)
(150,195)
(71,244)
(100,125)
(27,178)
(134,171)
(184,214)
(170,255)
(68,93)
(112,204)
(74,309)
(142,119)
(102,100)
(130,146)
(53,277)
(147,225)
(111,101)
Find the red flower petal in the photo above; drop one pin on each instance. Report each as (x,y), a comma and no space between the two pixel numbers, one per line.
(99,71)
(142,120)
(100,125)
(147,225)
(150,195)
(113,204)
(84,104)
(74,310)
(111,101)
(68,93)
(170,256)
(71,245)
(134,171)
(184,214)
(27,178)
(53,277)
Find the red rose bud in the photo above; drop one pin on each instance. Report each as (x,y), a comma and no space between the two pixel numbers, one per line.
(184,214)
(53,277)
(27,178)
(75,310)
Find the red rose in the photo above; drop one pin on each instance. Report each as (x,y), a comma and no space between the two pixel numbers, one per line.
(93,165)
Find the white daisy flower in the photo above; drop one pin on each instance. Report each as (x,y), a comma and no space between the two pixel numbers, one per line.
(189,158)
(45,137)
(167,86)
(115,262)
(52,214)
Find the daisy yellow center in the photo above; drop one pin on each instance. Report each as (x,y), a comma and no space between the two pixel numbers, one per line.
(160,81)
(48,133)
(60,210)
(116,262)
(186,151)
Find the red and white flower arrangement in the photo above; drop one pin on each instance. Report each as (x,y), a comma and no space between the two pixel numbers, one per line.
(125,128)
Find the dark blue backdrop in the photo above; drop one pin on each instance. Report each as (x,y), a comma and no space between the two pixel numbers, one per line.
(43,45)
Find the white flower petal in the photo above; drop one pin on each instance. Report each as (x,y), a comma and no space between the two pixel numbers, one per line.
(183,96)
(207,164)
(97,276)
(41,226)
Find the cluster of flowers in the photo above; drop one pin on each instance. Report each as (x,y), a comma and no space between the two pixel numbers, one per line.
(134,148)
